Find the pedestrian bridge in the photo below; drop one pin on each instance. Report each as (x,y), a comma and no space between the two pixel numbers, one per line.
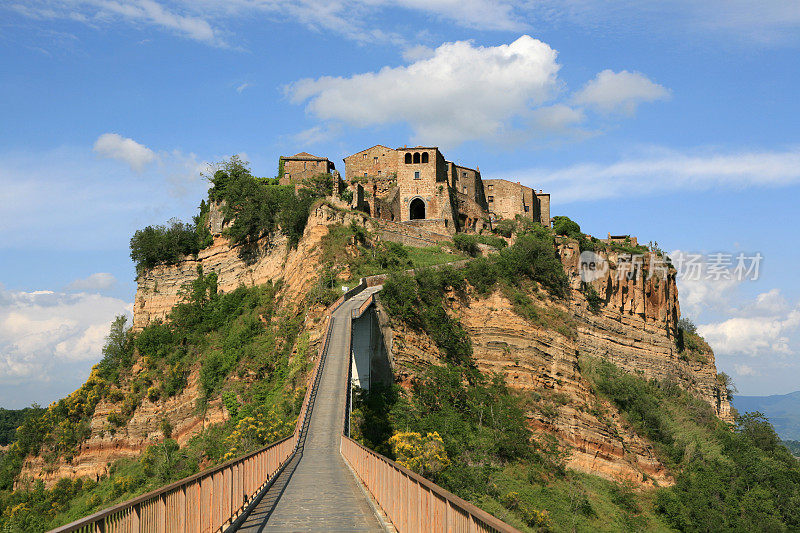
(318,479)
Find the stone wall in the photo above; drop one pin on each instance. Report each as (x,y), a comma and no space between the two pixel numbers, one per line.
(544,208)
(295,170)
(507,199)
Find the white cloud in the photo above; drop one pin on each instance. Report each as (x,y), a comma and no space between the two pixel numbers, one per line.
(242,87)
(448,98)
(148,12)
(620,92)
(205,21)
(663,170)
(317,134)
(100,281)
(45,332)
(115,146)
(180,169)
(744,370)
(558,118)
(754,336)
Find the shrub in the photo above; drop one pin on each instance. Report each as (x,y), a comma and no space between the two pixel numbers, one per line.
(467,244)
(494,242)
(259,206)
(392,256)
(423,454)
(687,325)
(482,273)
(418,300)
(154,340)
(593,299)
(168,244)
(153,394)
(505,227)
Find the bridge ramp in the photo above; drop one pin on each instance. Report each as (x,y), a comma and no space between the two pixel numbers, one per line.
(317,491)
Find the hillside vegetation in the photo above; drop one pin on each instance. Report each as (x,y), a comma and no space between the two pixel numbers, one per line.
(468,432)
(251,349)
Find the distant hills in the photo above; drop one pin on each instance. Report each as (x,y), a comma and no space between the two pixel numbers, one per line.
(783,410)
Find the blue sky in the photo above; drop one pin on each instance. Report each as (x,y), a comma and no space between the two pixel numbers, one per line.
(675,121)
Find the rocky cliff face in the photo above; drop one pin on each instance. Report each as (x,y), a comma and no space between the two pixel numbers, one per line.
(635,329)
(157,292)
(94,456)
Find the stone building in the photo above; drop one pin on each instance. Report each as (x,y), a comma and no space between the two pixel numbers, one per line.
(508,199)
(300,166)
(418,186)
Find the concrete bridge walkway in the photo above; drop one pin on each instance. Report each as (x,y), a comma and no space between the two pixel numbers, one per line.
(317,491)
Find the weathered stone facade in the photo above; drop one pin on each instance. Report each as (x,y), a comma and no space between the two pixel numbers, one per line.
(417,186)
(507,199)
(300,166)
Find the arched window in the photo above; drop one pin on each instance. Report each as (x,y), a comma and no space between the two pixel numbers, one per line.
(408,159)
(417,209)
(416,157)
(424,157)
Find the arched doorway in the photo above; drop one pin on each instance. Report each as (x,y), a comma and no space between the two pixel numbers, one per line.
(417,209)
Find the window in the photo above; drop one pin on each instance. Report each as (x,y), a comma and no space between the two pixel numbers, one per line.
(463,174)
(527,208)
(425,157)
(364,156)
(416,175)
(465,189)
(416,157)
(491,187)
(287,175)
(304,165)
(408,159)
(375,159)
(365,174)
(491,198)
(379,173)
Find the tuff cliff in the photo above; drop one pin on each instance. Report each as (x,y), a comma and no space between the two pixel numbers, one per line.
(158,290)
(635,327)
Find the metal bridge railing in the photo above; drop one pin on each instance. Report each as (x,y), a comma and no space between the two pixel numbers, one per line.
(207,501)
(210,500)
(413,503)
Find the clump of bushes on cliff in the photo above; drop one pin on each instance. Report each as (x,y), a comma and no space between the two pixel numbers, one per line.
(155,245)
(469,243)
(259,206)
(418,300)
(691,345)
(532,257)
(235,322)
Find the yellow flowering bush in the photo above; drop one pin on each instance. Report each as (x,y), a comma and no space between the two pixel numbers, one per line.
(254,431)
(424,455)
